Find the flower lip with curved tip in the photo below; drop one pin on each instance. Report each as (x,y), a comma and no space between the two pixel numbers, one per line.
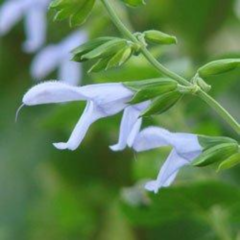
(103,100)
(130,126)
(18,111)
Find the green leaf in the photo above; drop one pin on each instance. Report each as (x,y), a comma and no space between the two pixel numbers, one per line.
(89,46)
(156,90)
(190,201)
(81,16)
(230,162)
(107,49)
(157,37)
(162,103)
(120,58)
(100,65)
(138,85)
(76,10)
(216,154)
(134,3)
(218,67)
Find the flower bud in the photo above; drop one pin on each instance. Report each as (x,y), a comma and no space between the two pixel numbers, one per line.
(157,37)
(89,46)
(100,65)
(107,49)
(112,61)
(216,154)
(218,67)
(120,57)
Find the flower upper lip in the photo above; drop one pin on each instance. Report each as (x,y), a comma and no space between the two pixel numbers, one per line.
(185,146)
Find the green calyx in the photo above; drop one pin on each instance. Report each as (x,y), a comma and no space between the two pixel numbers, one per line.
(162,103)
(216,154)
(232,161)
(107,49)
(217,150)
(80,51)
(207,142)
(109,52)
(162,91)
(153,90)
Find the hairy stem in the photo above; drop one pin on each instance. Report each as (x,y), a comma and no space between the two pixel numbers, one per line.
(163,70)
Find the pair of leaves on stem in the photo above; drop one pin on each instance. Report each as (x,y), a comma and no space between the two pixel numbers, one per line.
(109,51)
(163,93)
(221,150)
(76,10)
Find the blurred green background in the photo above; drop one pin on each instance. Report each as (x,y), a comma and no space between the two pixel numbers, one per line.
(93,193)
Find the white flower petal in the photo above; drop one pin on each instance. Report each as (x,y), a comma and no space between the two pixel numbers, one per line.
(107,94)
(10,13)
(185,142)
(55,55)
(35,28)
(150,138)
(72,41)
(45,62)
(52,92)
(153,137)
(168,172)
(152,186)
(90,115)
(130,126)
(70,72)
(135,130)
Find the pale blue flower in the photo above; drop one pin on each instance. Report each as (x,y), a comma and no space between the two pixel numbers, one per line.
(103,100)
(237,8)
(34,14)
(58,56)
(186,148)
(130,126)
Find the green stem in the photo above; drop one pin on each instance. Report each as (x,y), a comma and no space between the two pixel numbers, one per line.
(163,70)
(220,110)
(123,29)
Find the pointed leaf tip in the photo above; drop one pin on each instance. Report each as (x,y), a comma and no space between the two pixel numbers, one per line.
(162,104)
(76,11)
